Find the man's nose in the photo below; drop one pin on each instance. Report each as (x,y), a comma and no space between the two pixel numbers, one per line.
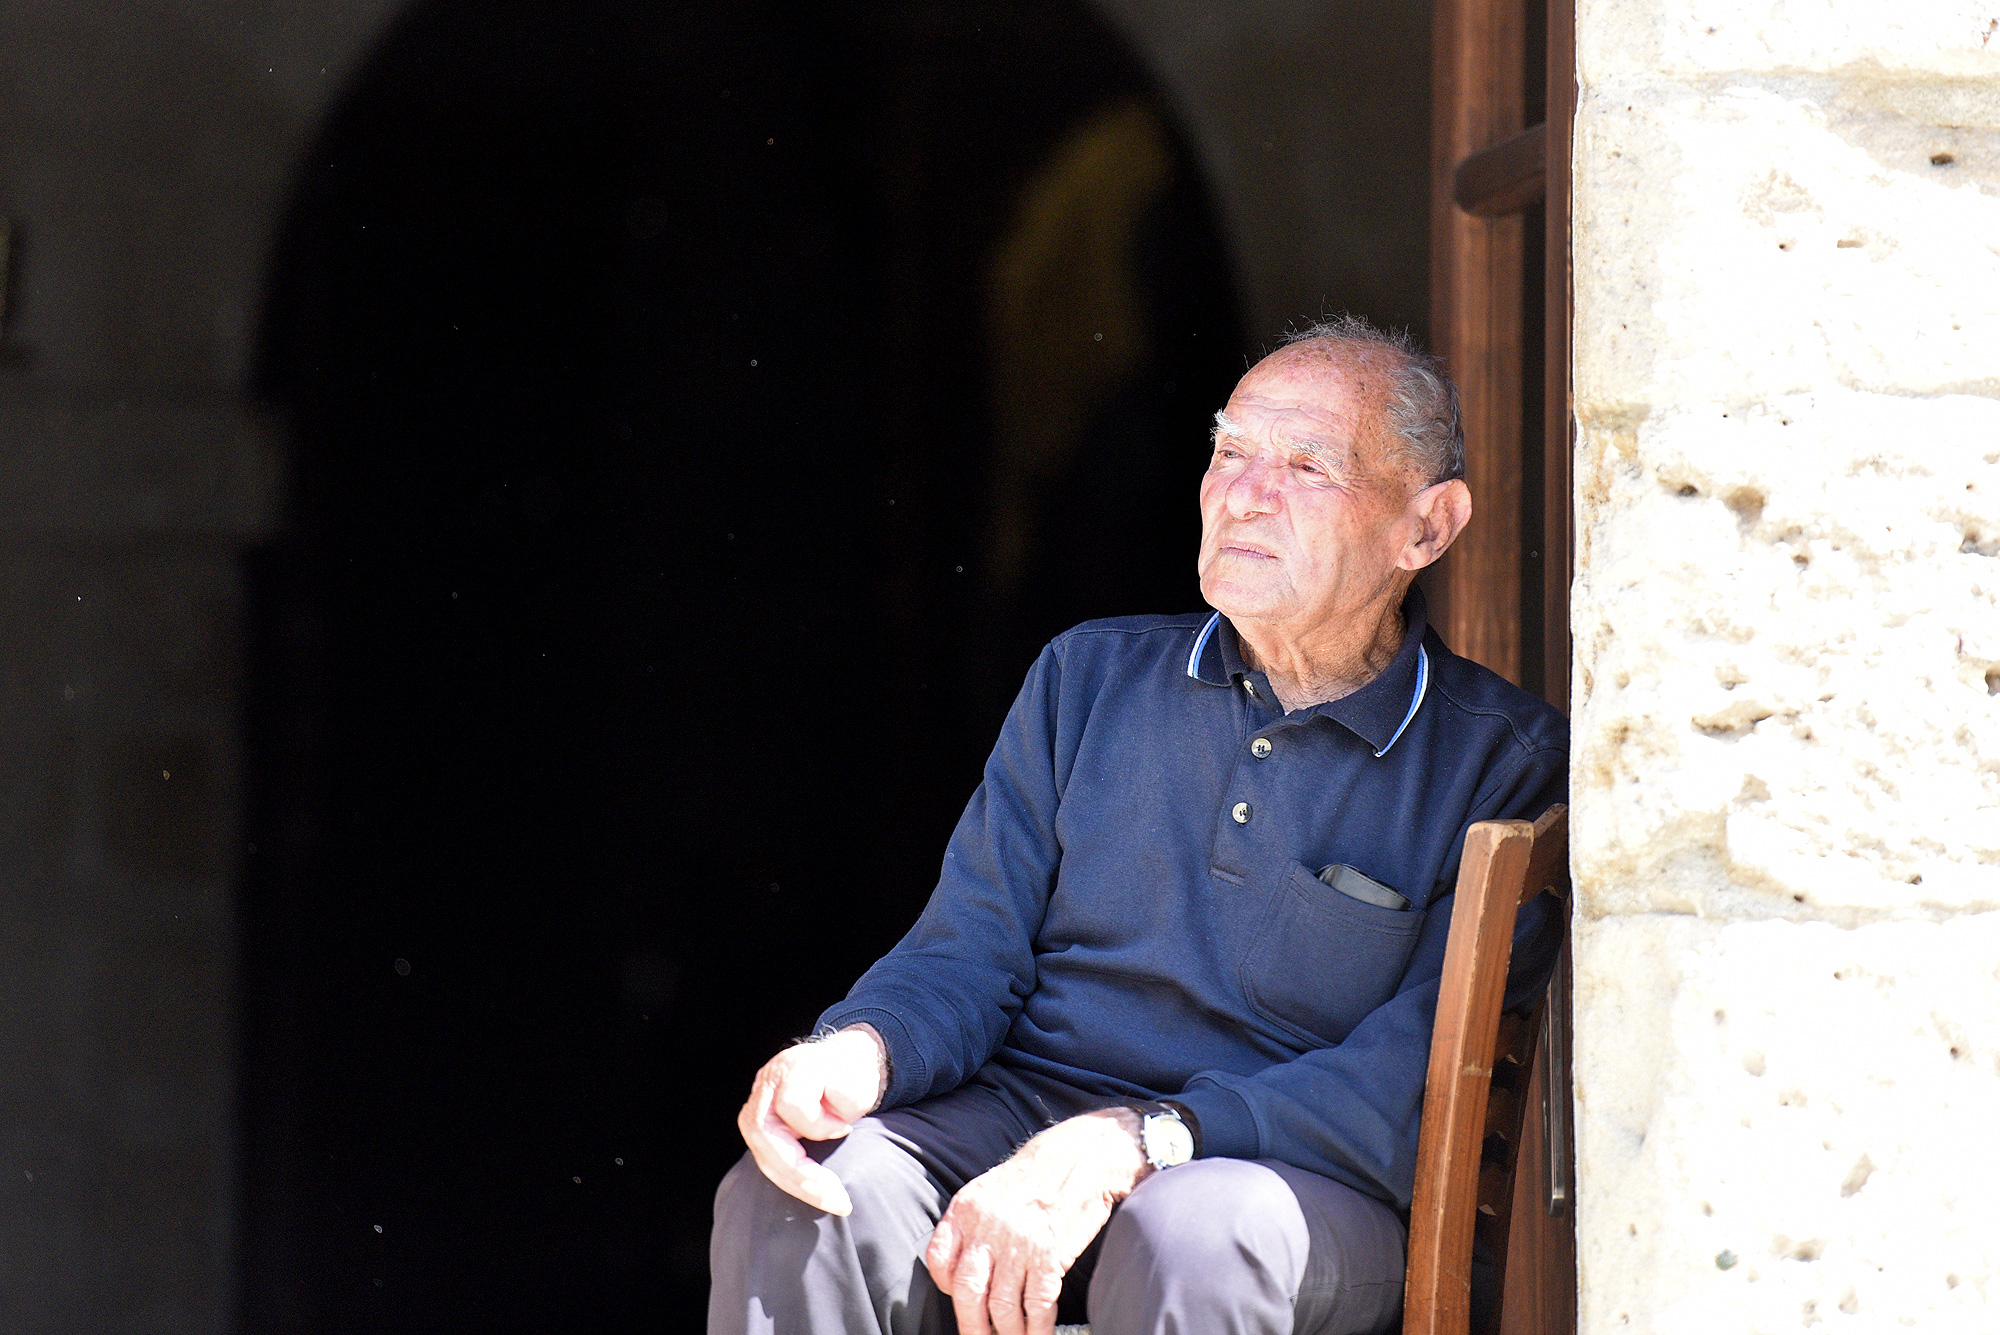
(1255,490)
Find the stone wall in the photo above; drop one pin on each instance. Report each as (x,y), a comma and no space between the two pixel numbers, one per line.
(1787,675)
(144,157)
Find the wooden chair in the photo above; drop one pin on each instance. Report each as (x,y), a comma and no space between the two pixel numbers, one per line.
(1475,1092)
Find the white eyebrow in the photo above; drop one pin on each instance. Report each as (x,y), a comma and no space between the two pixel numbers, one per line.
(1331,457)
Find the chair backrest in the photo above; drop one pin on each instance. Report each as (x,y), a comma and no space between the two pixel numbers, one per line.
(1475,1092)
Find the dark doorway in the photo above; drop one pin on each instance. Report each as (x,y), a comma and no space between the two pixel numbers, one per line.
(701,415)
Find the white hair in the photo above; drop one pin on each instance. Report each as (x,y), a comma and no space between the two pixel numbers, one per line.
(1423,412)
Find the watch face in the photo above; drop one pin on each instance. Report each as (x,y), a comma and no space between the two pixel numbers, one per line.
(1167,1139)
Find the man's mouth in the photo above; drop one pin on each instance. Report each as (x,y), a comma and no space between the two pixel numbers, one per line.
(1248,549)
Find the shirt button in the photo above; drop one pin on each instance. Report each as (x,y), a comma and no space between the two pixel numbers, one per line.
(1250,688)
(1241,811)
(1261,747)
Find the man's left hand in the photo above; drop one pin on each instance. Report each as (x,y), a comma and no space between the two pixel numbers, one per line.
(1012,1233)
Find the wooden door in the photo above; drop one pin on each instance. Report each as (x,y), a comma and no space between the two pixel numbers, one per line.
(1492,175)
(1500,317)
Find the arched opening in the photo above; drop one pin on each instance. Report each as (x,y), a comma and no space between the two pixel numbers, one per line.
(700,418)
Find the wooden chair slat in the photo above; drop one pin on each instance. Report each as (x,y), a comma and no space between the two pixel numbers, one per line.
(1496,1189)
(1465,1183)
(1512,1038)
(1502,1106)
(1515,1047)
(1548,865)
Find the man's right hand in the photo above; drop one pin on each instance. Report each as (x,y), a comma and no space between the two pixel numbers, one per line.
(814,1091)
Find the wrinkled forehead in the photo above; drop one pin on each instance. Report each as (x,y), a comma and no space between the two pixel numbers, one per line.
(1321,405)
(1255,421)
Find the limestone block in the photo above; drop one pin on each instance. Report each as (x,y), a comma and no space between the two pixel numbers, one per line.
(1788,639)
(1752,240)
(1784,1125)
(1788,499)
(1786,796)
(1616,37)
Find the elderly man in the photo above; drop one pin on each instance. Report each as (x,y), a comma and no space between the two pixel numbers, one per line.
(1162,1028)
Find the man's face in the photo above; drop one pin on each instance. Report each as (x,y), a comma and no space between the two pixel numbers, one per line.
(1304,513)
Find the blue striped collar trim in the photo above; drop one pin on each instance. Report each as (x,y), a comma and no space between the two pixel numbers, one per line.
(1378,714)
(1201,643)
(1416,699)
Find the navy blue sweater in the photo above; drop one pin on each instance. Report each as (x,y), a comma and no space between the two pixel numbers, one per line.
(1129,904)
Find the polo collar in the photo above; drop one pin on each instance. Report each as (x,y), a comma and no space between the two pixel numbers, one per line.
(1378,713)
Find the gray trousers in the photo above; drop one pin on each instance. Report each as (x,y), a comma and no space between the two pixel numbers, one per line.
(1212,1247)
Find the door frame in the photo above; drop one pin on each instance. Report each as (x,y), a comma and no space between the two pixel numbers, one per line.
(1490,172)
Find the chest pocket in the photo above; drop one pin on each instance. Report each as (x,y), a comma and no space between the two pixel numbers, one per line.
(1321,961)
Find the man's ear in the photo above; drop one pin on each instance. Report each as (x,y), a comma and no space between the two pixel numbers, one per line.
(1442,511)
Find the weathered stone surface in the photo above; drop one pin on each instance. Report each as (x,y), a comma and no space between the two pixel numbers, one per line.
(1789,642)
(1936,37)
(1806,221)
(1789,1124)
(1789,477)
(1787,691)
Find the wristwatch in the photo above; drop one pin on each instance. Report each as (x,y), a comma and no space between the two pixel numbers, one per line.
(1164,1137)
